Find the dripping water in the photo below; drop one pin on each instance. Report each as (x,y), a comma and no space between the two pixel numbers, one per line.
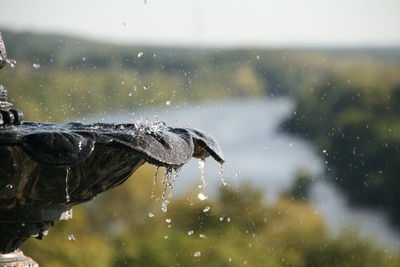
(221,175)
(168,182)
(202,186)
(67,196)
(174,175)
(153,195)
(202,174)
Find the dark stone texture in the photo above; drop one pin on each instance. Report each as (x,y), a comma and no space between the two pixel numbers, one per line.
(46,165)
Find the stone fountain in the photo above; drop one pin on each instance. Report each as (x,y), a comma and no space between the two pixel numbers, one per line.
(45,169)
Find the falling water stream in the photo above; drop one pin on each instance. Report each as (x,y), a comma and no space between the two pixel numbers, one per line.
(153,195)
(168,182)
(202,186)
(67,174)
(221,173)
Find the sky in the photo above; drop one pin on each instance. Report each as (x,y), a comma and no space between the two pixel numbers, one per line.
(212,22)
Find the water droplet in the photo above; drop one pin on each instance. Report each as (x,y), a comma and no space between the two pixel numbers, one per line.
(202,236)
(206,209)
(9,186)
(168,103)
(202,196)
(228,219)
(36,65)
(146,87)
(190,232)
(197,254)
(258,57)
(71,238)
(237,173)
(166,237)
(84,59)
(151,215)
(164,206)
(140,54)
(221,218)
(12,62)
(168,220)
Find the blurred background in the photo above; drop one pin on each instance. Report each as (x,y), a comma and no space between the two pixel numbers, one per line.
(303,97)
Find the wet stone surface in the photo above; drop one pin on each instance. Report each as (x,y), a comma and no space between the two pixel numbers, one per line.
(46,165)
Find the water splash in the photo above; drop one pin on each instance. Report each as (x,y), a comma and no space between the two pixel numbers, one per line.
(206,209)
(36,65)
(190,232)
(149,127)
(67,174)
(151,215)
(71,237)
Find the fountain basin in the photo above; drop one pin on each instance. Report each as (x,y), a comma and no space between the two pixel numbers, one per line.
(47,165)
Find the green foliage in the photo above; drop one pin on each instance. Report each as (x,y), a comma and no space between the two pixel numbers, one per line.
(355,118)
(239,228)
(80,78)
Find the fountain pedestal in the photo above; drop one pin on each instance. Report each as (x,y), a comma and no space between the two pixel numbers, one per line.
(16,259)
(17,225)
